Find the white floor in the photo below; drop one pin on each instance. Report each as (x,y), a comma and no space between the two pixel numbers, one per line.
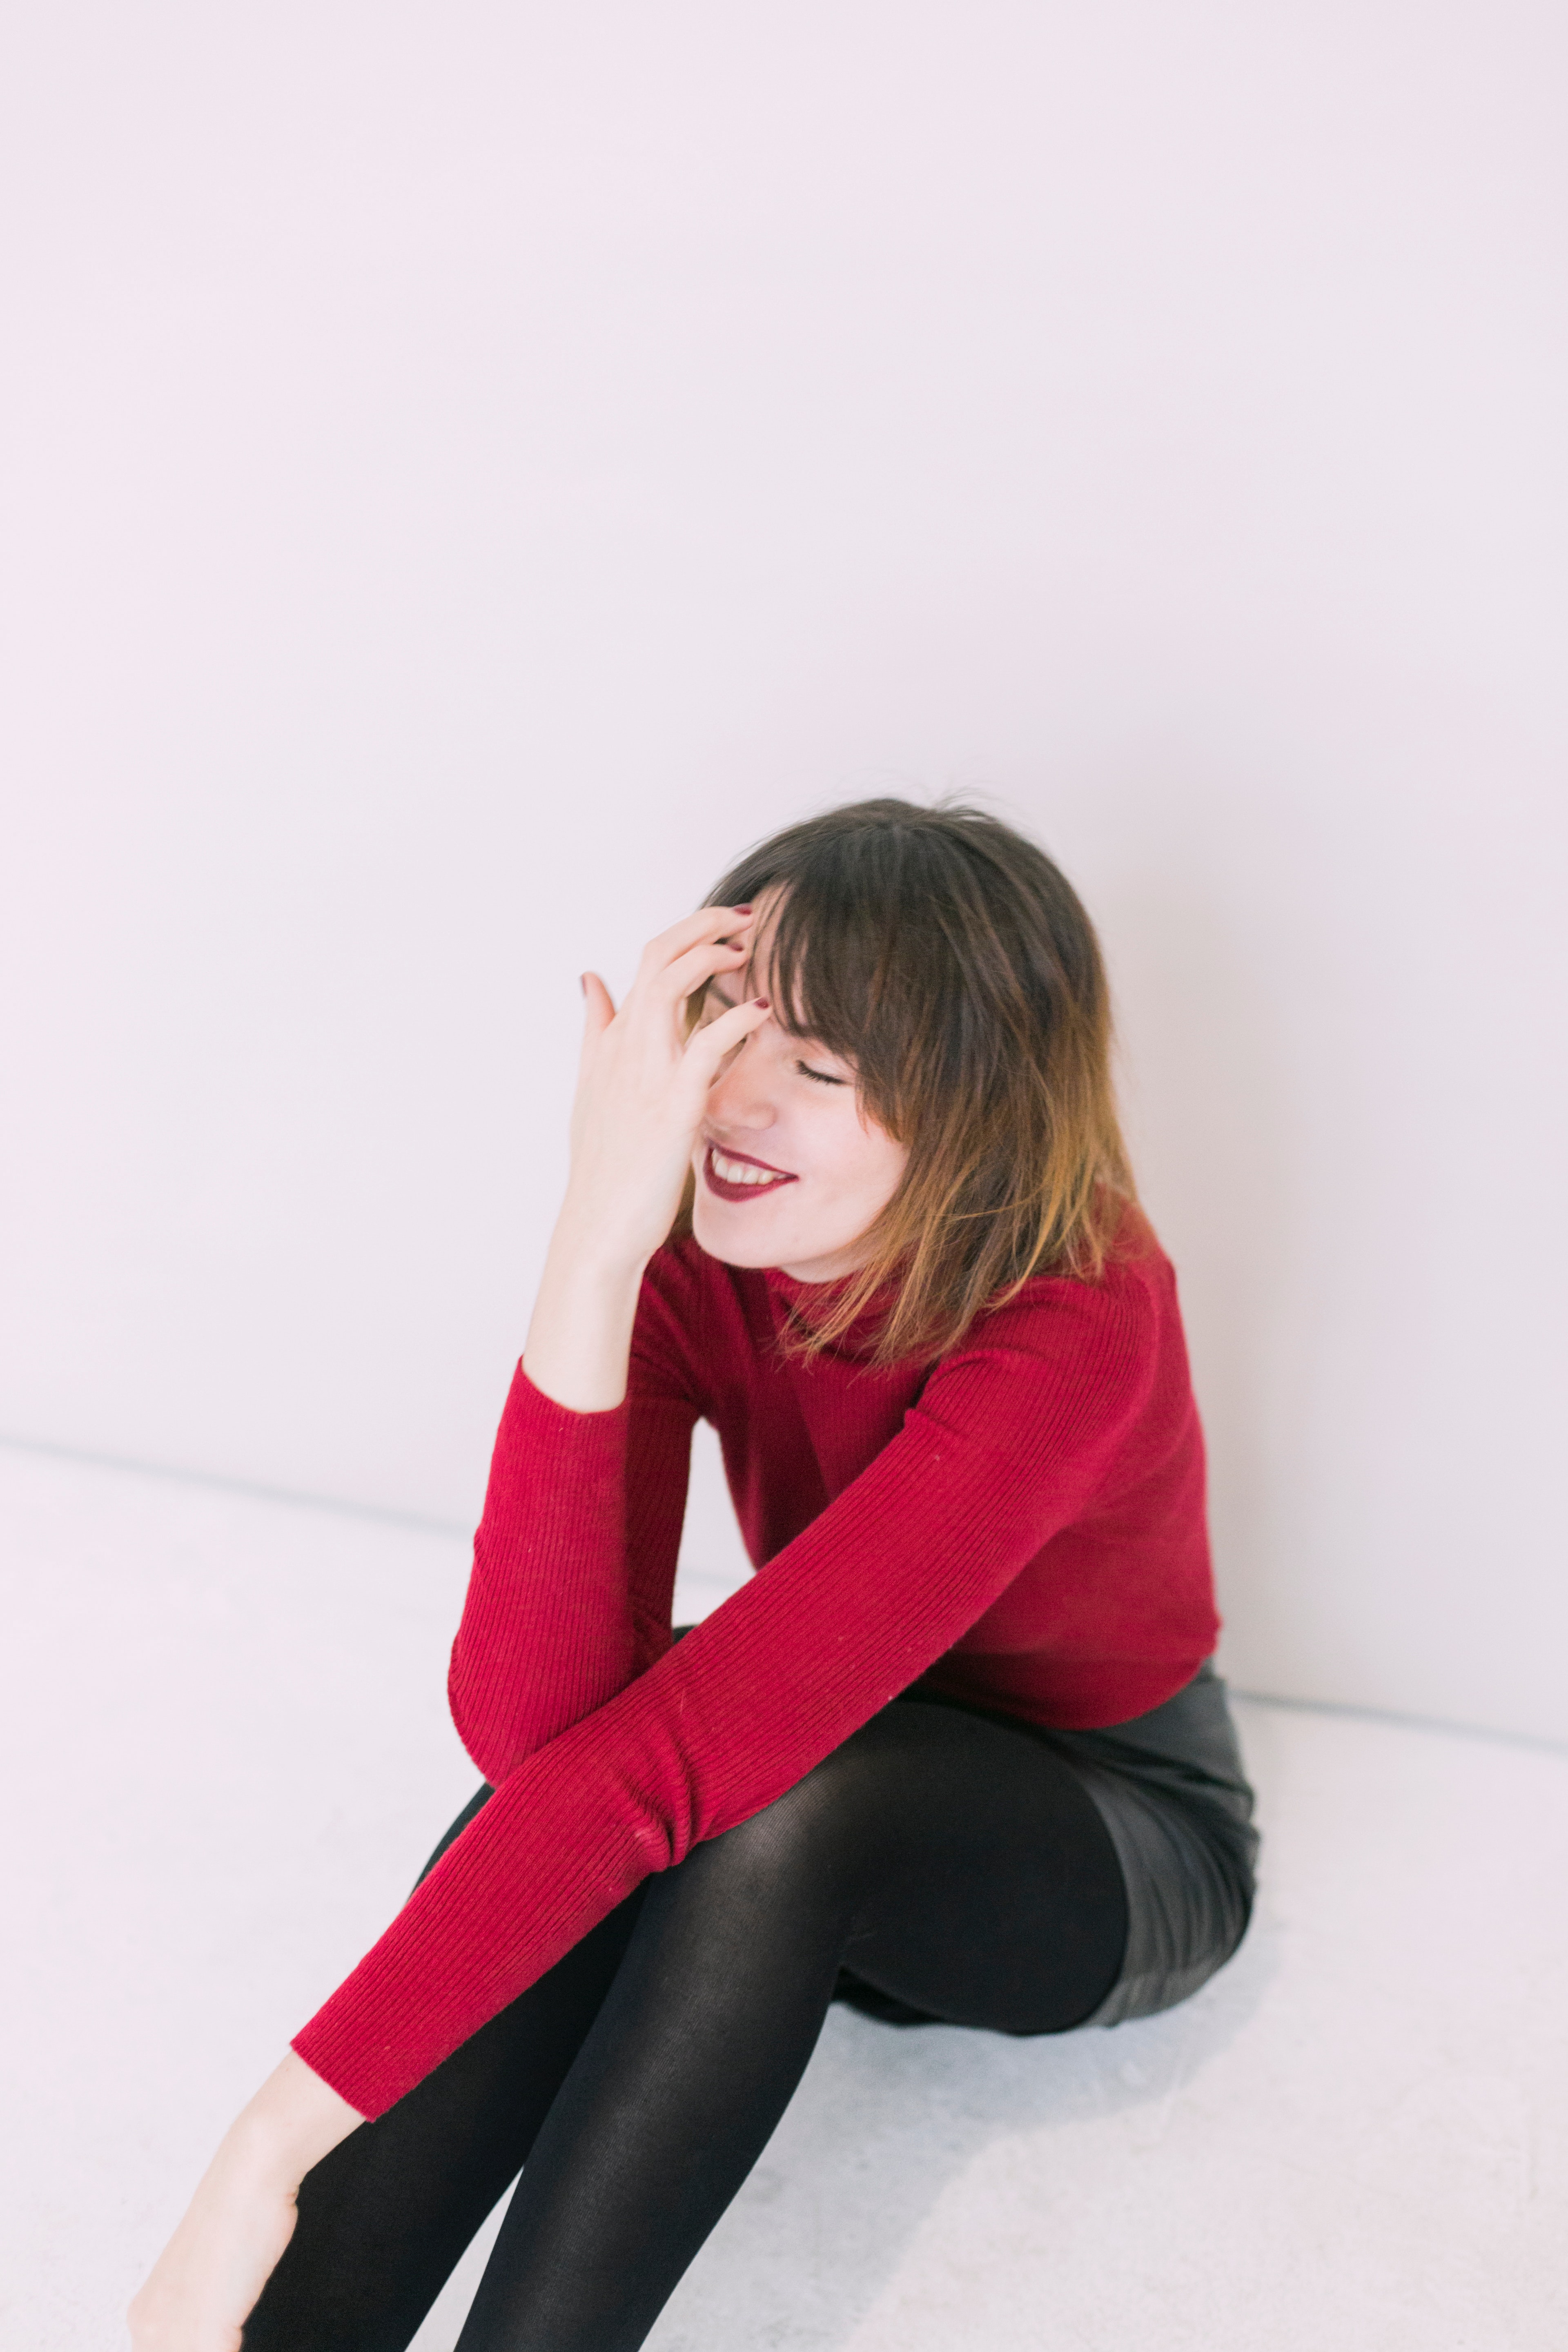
(227,1753)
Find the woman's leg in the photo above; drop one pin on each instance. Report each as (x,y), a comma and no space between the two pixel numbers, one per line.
(385,2218)
(956,1863)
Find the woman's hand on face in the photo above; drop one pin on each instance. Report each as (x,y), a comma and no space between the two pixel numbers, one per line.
(642,1090)
(643,1085)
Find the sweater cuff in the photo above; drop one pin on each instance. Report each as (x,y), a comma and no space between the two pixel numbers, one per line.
(562,1420)
(466,1942)
(545,1447)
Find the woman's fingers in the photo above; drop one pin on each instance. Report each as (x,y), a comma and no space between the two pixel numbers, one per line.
(707,927)
(674,967)
(598,1012)
(600,1003)
(679,962)
(692,970)
(709,1045)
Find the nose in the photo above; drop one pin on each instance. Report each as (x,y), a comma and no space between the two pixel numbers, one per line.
(740,1100)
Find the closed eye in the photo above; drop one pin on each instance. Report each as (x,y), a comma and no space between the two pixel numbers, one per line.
(823,1078)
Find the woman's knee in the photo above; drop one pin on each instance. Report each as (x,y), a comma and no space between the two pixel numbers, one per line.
(824,1820)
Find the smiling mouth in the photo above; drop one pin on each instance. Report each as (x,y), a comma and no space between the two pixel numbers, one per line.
(734,1177)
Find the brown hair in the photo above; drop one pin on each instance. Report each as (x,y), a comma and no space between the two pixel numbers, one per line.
(953,965)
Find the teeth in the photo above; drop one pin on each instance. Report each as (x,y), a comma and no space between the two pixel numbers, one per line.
(741,1171)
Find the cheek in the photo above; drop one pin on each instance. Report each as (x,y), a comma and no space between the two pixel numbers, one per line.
(895,1159)
(873,1165)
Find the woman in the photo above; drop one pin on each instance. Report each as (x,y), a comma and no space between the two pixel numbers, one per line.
(845,1180)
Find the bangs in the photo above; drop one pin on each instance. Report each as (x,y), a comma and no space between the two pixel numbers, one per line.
(827,965)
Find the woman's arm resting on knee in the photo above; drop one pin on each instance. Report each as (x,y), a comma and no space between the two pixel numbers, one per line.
(205,2281)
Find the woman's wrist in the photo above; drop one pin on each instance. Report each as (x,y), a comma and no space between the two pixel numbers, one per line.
(294,2120)
(582,1251)
(580,1335)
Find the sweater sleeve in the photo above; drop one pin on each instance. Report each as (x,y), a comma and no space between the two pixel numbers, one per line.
(1003,1449)
(575,1558)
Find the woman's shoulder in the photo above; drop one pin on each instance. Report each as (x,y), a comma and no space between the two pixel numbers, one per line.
(1069,1360)
(1126,1300)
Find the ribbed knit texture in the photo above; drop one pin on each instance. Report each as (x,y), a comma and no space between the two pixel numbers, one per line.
(1021,1524)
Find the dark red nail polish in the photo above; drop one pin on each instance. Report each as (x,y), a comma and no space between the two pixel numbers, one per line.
(763,1001)
(741,910)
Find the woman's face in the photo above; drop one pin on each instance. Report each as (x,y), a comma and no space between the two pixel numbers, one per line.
(790,1170)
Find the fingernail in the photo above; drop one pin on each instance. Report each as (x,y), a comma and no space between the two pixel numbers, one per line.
(763,1001)
(741,910)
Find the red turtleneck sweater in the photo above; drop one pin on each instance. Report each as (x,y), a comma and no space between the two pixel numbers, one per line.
(1020,1524)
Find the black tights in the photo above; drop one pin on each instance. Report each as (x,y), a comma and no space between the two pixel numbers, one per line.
(940,1864)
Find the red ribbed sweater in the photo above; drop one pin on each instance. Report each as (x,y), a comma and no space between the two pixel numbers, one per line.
(1021,1524)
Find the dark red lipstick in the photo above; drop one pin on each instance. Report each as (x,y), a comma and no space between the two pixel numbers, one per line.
(727,1191)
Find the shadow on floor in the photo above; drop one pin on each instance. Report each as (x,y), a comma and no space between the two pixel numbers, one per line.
(889,2121)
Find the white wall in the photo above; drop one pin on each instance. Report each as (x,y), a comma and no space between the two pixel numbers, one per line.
(468,470)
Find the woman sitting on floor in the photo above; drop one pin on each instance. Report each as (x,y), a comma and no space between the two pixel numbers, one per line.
(846,1183)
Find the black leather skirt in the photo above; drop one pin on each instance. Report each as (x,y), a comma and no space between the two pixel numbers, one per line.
(1172,1791)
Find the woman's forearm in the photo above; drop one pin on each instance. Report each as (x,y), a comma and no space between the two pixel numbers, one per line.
(294,2120)
(580,1334)
(547,1631)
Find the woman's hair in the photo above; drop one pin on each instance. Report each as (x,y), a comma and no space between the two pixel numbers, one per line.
(953,966)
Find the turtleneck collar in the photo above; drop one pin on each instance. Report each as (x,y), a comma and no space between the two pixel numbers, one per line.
(810,1302)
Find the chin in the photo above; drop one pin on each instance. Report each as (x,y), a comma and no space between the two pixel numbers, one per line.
(732,1242)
